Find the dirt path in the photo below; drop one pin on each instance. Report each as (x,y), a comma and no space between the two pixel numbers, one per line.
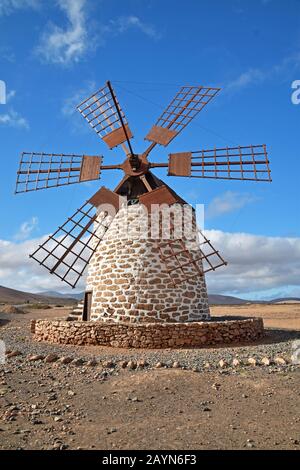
(52,406)
(157,409)
(285,316)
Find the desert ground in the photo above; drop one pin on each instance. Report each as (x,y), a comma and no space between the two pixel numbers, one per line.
(152,404)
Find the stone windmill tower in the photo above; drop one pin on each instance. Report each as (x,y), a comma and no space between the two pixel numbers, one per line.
(146,256)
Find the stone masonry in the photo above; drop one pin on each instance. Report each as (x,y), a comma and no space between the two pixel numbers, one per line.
(148,335)
(129,282)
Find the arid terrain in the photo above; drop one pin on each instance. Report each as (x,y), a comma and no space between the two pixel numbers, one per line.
(104,404)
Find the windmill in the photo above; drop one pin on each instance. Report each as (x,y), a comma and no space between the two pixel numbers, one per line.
(169,282)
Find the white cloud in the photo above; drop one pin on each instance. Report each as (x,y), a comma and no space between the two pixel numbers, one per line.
(255,263)
(20,272)
(66,45)
(26,229)
(13,119)
(256,76)
(69,42)
(10,6)
(124,23)
(245,79)
(229,201)
(258,264)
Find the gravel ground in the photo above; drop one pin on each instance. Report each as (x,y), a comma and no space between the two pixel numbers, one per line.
(16,335)
(106,406)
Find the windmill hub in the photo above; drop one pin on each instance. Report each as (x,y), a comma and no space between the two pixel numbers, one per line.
(135,165)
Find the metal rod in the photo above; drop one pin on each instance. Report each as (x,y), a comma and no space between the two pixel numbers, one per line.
(119,115)
(53,170)
(249,162)
(225,163)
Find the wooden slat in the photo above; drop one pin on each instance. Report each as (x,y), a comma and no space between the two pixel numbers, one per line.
(161,195)
(180,164)
(161,135)
(117,137)
(90,168)
(105,196)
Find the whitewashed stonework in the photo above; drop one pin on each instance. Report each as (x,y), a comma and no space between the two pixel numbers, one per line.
(129,282)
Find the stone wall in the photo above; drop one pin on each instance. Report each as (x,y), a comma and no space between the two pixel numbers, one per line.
(148,335)
(128,279)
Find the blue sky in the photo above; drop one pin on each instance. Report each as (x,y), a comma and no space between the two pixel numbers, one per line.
(54,53)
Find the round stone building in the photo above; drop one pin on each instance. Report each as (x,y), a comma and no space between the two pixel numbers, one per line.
(129,282)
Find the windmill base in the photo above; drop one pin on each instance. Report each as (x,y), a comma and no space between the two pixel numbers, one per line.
(149,335)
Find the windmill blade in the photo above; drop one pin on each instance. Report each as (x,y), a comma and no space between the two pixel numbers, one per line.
(104,114)
(68,251)
(48,170)
(186,104)
(187,259)
(234,163)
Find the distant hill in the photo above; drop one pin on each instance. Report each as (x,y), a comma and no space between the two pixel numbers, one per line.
(12,296)
(216,299)
(286,300)
(213,299)
(71,295)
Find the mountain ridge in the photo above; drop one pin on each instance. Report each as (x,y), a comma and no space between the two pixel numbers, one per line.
(14,296)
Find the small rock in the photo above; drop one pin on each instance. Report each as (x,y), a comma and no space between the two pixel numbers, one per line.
(280,361)
(37,421)
(13,354)
(123,364)
(131,365)
(77,361)
(216,386)
(222,364)
(71,393)
(206,408)
(158,365)
(251,361)
(64,360)
(52,397)
(176,365)
(51,358)
(265,361)
(141,364)
(236,362)
(57,419)
(207,365)
(35,357)
(135,399)
(92,363)
(108,364)
(112,430)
